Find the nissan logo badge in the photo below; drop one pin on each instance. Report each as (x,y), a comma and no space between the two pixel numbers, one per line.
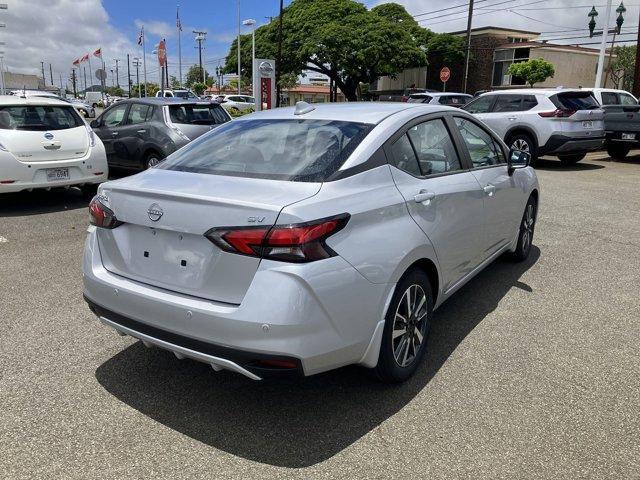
(48,136)
(155,212)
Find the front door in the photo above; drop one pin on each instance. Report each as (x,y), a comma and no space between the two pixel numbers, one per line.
(442,196)
(109,131)
(502,199)
(133,135)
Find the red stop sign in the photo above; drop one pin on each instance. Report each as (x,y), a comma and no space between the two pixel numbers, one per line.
(445,74)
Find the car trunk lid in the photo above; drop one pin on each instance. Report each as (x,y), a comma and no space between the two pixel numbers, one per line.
(584,116)
(166,214)
(45,146)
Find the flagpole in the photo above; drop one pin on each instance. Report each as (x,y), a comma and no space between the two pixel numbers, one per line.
(144,62)
(179,27)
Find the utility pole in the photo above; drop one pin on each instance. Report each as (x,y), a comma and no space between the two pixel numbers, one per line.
(44,79)
(129,75)
(636,74)
(84,70)
(73,82)
(201,36)
(117,74)
(279,58)
(239,70)
(603,45)
(51,73)
(468,52)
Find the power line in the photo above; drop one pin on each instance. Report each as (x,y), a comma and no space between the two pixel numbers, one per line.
(452,7)
(483,7)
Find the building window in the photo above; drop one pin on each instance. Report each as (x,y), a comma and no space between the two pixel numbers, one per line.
(501,61)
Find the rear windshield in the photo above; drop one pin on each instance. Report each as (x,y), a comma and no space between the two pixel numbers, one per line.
(183,94)
(454,100)
(295,150)
(30,117)
(575,101)
(197,114)
(417,98)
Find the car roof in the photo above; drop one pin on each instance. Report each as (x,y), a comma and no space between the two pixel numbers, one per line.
(162,101)
(448,94)
(31,100)
(532,91)
(361,112)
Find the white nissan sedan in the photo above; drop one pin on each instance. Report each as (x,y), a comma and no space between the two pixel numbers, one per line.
(297,240)
(45,143)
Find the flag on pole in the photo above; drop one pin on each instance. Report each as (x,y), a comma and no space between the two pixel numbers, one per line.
(141,36)
(178,22)
(98,53)
(85,58)
(76,62)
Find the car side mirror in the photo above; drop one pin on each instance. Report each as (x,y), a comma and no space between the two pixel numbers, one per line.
(94,123)
(518,159)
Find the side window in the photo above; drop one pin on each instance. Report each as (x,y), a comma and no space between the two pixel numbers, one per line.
(626,99)
(114,116)
(528,102)
(480,105)
(137,113)
(508,103)
(483,149)
(403,156)
(434,147)
(609,98)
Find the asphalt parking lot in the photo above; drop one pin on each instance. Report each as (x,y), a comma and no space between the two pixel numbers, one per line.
(533,370)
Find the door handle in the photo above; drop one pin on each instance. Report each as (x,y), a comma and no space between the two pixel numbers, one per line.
(114,134)
(424,197)
(512,118)
(490,190)
(142,131)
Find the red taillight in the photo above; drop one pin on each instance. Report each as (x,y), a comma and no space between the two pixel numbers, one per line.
(558,113)
(102,216)
(304,242)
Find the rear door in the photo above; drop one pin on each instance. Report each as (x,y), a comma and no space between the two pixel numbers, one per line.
(442,196)
(134,134)
(502,198)
(109,130)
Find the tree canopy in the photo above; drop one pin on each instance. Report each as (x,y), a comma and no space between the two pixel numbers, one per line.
(623,66)
(194,75)
(534,70)
(345,41)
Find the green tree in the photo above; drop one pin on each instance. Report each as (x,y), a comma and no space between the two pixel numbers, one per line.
(345,41)
(152,88)
(288,80)
(233,85)
(115,91)
(174,82)
(194,74)
(534,70)
(199,88)
(623,66)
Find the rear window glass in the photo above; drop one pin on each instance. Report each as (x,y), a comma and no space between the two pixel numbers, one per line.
(576,101)
(295,150)
(31,117)
(418,99)
(454,100)
(197,114)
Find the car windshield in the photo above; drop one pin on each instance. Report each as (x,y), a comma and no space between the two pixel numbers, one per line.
(38,118)
(295,150)
(197,114)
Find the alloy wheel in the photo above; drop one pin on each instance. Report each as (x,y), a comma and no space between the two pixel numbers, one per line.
(527,226)
(152,162)
(522,145)
(409,325)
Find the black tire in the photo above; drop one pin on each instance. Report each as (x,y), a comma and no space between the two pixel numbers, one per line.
(618,151)
(389,369)
(571,159)
(526,143)
(94,105)
(527,228)
(151,160)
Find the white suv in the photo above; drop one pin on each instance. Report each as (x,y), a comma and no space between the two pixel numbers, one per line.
(563,123)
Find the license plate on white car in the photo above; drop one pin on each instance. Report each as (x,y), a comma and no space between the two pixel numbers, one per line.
(587,124)
(628,136)
(57,174)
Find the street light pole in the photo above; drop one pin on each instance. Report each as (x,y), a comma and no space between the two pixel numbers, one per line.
(251,22)
(603,45)
(239,71)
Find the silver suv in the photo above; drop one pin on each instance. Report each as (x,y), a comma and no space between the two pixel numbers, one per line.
(563,123)
(298,240)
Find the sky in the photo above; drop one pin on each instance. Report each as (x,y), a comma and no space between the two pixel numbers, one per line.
(58,31)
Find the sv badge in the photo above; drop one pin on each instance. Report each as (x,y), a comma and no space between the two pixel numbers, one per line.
(256,219)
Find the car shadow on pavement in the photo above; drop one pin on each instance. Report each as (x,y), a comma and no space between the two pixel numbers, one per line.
(41,201)
(554,164)
(298,423)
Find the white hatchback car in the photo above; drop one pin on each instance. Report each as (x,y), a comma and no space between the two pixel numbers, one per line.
(297,240)
(44,143)
(559,122)
(237,102)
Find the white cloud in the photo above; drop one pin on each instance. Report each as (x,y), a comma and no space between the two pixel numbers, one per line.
(157,28)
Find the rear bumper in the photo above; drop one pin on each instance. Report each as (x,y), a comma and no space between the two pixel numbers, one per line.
(562,144)
(616,137)
(16,175)
(321,315)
